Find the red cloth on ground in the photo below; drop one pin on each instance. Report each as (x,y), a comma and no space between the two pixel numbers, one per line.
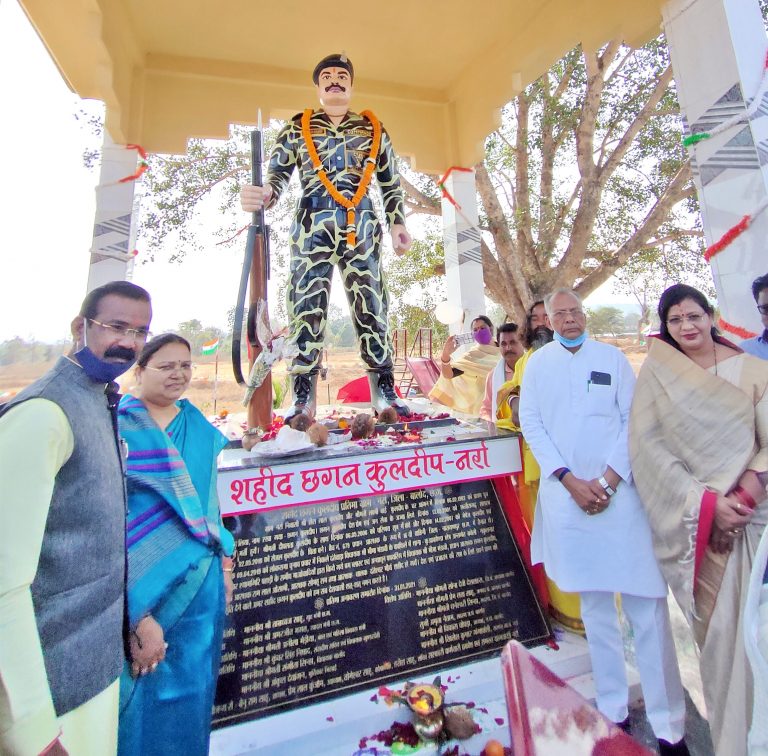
(510,505)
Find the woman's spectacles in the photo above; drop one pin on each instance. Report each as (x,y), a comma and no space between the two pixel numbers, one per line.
(120,332)
(763,309)
(170,367)
(694,319)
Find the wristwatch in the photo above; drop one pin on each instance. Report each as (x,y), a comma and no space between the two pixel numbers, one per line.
(606,486)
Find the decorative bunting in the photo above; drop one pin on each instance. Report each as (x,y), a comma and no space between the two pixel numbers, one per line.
(143,164)
(742,333)
(734,232)
(727,238)
(444,178)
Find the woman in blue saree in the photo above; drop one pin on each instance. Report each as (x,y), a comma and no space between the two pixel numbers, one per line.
(179,560)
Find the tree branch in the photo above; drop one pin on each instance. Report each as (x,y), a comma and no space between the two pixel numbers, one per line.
(423,201)
(546,180)
(509,256)
(522,217)
(637,124)
(676,190)
(620,66)
(562,213)
(204,189)
(591,188)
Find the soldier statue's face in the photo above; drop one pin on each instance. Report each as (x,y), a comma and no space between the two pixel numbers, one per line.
(334,89)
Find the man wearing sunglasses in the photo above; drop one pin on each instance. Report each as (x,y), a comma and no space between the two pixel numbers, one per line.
(758,345)
(62,537)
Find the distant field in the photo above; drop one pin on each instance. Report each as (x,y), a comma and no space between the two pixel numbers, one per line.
(344,365)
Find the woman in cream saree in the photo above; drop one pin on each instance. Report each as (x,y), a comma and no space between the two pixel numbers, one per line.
(699,448)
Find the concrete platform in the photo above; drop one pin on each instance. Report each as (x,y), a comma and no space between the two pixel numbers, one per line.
(335,727)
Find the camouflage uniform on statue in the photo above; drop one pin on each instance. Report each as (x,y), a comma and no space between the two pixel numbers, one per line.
(337,152)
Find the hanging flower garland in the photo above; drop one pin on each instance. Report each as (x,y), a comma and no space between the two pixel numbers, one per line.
(142,167)
(742,333)
(735,231)
(745,115)
(444,178)
(727,238)
(725,241)
(370,166)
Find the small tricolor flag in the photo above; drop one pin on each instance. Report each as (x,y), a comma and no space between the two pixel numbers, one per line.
(210,347)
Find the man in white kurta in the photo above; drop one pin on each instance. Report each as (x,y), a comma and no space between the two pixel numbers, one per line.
(590,530)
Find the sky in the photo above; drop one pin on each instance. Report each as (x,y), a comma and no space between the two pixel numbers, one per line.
(47,205)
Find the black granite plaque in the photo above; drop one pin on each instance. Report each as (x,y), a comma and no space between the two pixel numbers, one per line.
(338,596)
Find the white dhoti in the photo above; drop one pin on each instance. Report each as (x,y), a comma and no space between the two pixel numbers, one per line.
(656,660)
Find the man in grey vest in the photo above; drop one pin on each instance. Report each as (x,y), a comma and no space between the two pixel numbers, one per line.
(62,538)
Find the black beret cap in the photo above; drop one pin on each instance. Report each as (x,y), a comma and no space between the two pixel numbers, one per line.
(334,60)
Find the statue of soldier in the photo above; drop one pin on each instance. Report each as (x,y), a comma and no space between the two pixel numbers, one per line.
(337,152)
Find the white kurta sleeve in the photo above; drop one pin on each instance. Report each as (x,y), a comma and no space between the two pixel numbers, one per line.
(618,457)
(532,424)
(35,441)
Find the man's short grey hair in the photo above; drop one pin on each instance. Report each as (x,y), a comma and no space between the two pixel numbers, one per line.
(562,290)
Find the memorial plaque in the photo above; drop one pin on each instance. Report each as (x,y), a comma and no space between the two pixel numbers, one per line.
(343,595)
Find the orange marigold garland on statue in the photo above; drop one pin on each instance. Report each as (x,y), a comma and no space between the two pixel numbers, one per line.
(370,167)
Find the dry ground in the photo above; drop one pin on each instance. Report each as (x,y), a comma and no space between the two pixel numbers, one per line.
(344,365)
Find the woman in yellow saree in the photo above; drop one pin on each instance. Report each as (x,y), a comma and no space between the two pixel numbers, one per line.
(699,448)
(461,385)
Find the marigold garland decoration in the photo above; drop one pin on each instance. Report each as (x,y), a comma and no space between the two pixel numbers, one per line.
(727,238)
(142,167)
(444,178)
(370,167)
(742,333)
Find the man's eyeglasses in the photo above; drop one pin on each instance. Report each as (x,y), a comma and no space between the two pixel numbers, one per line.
(120,332)
(763,309)
(574,312)
(170,367)
(695,319)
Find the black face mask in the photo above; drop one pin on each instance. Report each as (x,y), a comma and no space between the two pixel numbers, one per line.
(101,371)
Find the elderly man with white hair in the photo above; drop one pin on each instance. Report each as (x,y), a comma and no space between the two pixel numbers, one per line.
(590,529)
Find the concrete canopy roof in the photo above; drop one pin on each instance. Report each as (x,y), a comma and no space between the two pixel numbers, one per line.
(435,71)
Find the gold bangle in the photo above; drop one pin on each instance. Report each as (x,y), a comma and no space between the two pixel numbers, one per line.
(227,569)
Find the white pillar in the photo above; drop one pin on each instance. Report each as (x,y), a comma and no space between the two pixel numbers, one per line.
(113,228)
(463,256)
(718,51)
